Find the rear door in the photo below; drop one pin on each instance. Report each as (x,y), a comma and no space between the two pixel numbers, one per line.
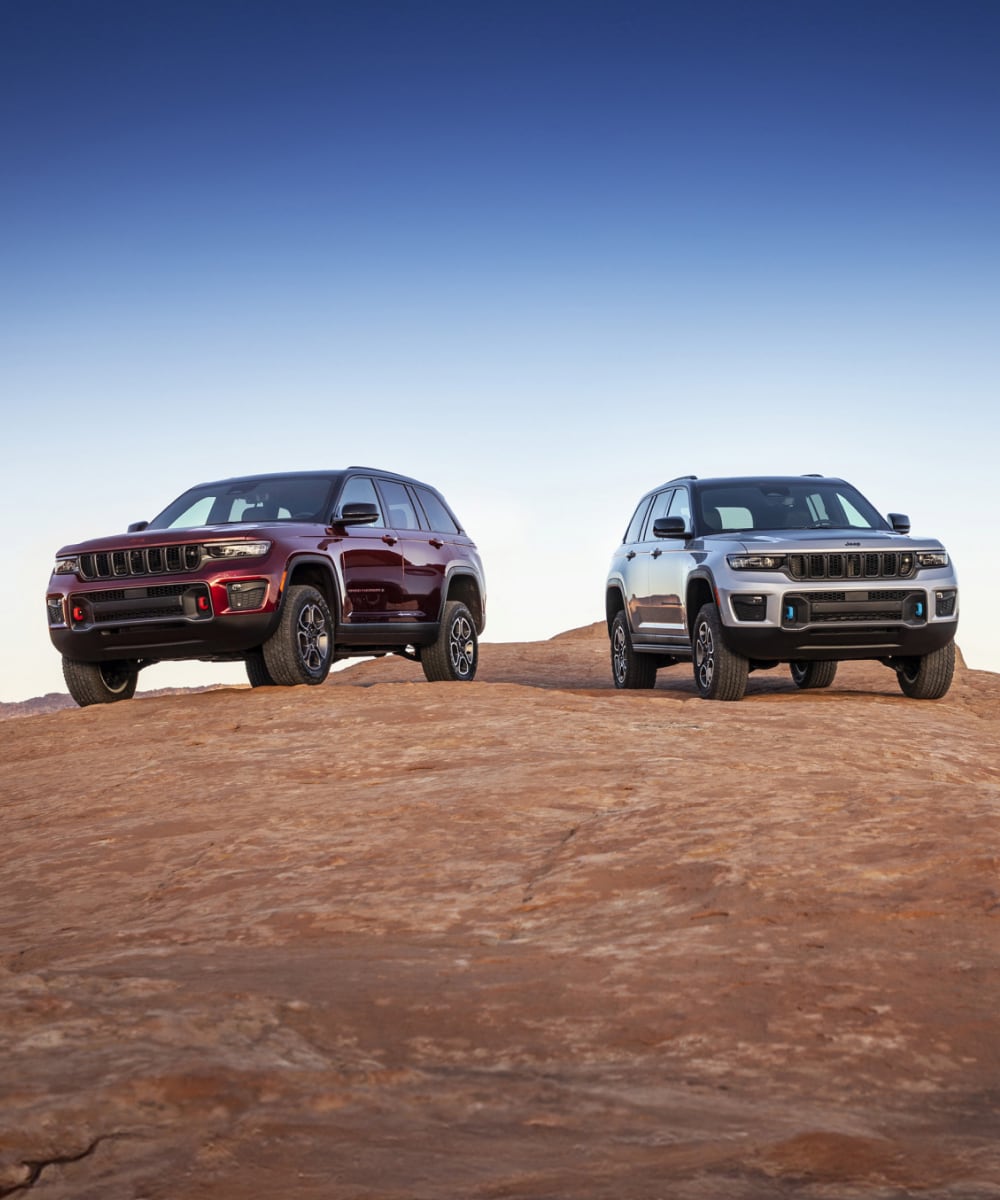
(424,550)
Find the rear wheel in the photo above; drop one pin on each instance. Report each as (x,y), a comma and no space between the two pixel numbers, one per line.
(100,683)
(929,677)
(301,649)
(719,673)
(455,654)
(814,674)
(628,669)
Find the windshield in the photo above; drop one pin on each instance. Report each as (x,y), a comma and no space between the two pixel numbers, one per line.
(268,498)
(784,504)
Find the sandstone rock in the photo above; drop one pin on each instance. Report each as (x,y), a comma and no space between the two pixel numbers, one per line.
(528,937)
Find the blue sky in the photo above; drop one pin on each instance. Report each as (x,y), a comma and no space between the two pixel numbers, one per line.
(543,255)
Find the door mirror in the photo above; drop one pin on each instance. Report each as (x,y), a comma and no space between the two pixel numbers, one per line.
(900,522)
(357,514)
(670,527)
(137,526)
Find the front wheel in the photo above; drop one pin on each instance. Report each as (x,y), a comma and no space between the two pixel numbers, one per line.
(814,674)
(719,673)
(628,669)
(99,683)
(929,677)
(256,668)
(301,649)
(455,654)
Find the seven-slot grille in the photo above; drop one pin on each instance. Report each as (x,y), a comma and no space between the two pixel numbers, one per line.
(150,560)
(883,564)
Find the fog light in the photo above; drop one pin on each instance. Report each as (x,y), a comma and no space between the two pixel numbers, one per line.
(750,608)
(944,603)
(246,595)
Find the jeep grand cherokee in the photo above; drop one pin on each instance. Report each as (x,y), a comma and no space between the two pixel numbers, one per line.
(741,574)
(286,572)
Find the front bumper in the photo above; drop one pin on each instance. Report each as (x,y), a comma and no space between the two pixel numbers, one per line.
(883,619)
(172,618)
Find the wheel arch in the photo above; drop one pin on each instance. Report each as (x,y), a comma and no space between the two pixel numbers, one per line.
(464,586)
(700,590)
(318,573)
(614,603)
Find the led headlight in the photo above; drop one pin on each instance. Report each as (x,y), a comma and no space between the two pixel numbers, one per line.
(67,566)
(756,562)
(932,558)
(231,550)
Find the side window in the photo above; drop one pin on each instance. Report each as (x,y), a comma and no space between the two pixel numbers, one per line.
(359,489)
(438,517)
(680,506)
(632,533)
(399,506)
(660,508)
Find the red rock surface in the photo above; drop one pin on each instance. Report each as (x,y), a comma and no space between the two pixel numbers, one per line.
(528,937)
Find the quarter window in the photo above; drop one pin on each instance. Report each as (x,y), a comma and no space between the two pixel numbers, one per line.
(438,517)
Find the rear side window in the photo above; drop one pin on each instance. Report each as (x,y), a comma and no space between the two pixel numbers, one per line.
(399,505)
(632,533)
(438,517)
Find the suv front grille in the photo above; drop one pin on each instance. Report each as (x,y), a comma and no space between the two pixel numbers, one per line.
(883,564)
(150,560)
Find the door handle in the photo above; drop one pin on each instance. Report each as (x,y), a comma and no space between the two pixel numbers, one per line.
(656,554)
(436,543)
(389,539)
(630,555)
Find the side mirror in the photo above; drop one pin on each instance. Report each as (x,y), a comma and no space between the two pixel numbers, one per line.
(357,514)
(670,527)
(138,526)
(899,522)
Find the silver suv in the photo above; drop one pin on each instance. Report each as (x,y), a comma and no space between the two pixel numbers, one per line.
(741,574)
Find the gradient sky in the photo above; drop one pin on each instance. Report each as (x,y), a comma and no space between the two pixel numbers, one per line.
(543,255)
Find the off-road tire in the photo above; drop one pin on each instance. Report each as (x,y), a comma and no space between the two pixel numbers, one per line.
(301,649)
(813,674)
(455,654)
(929,677)
(99,683)
(628,669)
(719,673)
(257,671)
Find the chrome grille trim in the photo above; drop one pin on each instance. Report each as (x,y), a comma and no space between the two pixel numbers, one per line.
(151,560)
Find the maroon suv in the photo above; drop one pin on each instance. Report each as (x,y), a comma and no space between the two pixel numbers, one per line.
(286,572)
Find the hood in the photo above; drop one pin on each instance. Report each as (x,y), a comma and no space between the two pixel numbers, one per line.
(818,540)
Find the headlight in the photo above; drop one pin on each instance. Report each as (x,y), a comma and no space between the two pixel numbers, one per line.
(67,566)
(932,558)
(756,562)
(236,549)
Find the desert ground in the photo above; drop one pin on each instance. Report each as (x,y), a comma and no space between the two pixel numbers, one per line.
(527,937)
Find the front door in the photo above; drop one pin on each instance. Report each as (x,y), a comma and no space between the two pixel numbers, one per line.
(371,563)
